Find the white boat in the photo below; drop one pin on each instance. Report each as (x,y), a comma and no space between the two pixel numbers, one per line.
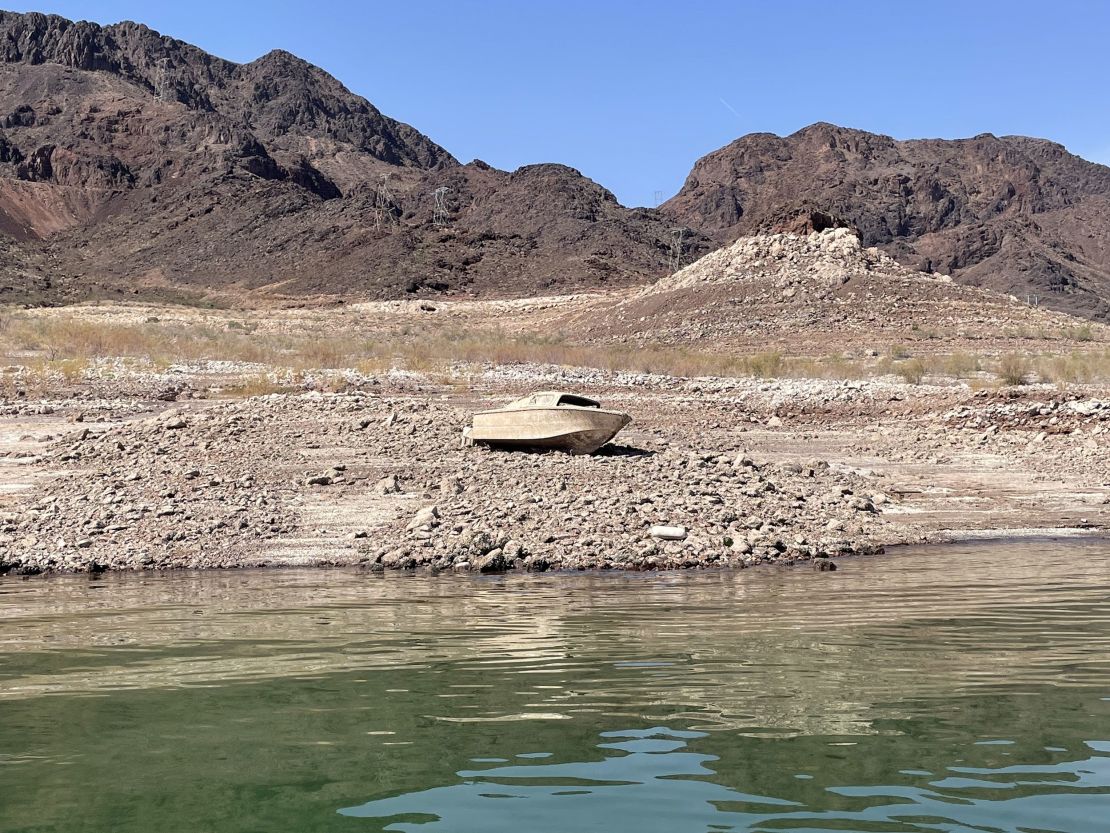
(548,420)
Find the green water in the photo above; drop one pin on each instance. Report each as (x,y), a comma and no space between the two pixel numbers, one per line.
(957,689)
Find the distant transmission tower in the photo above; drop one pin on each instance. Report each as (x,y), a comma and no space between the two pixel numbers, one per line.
(162,78)
(440,214)
(678,248)
(383,203)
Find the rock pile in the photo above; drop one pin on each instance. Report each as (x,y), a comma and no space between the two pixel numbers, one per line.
(824,259)
(1056,434)
(1059,414)
(826,285)
(179,490)
(632,509)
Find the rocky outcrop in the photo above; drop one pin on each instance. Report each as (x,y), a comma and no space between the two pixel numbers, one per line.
(1011,213)
(803,219)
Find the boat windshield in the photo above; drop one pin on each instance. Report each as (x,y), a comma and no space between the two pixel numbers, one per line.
(580,401)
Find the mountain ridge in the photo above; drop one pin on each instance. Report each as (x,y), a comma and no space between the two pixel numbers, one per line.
(133,163)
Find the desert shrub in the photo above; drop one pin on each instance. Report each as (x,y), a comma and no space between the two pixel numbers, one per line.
(961,365)
(1082,333)
(1074,368)
(765,365)
(1013,369)
(912,371)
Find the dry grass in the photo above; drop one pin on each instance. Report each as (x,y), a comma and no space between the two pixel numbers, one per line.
(61,340)
(1074,368)
(1013,369)
(960,365)
(63,337)
(60,348)
(912,371)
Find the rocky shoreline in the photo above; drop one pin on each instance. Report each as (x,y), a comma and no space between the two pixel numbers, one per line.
(712,473)
(634,509)
(214,486)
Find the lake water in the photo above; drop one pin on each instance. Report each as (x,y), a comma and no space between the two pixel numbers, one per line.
(954,689)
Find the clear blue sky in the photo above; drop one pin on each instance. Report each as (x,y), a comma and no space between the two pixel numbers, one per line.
(631,93)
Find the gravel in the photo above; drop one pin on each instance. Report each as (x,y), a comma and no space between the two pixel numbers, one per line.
(217,485)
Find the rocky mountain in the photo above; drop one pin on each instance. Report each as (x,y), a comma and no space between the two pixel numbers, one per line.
(1017,215)
(134,163)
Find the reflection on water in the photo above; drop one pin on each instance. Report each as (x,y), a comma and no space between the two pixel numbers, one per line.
(950,689)
(650,781)
(656,784)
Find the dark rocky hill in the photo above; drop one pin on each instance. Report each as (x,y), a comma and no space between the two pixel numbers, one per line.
(133,163)
(1013,214)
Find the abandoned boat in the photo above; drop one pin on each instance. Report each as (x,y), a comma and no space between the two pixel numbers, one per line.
(548,420)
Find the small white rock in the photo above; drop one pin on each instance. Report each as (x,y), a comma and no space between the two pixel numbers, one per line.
(668,533)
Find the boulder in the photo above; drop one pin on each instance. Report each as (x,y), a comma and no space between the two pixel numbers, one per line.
(668,533)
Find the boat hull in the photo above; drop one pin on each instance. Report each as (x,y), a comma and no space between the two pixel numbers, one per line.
(577,430)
